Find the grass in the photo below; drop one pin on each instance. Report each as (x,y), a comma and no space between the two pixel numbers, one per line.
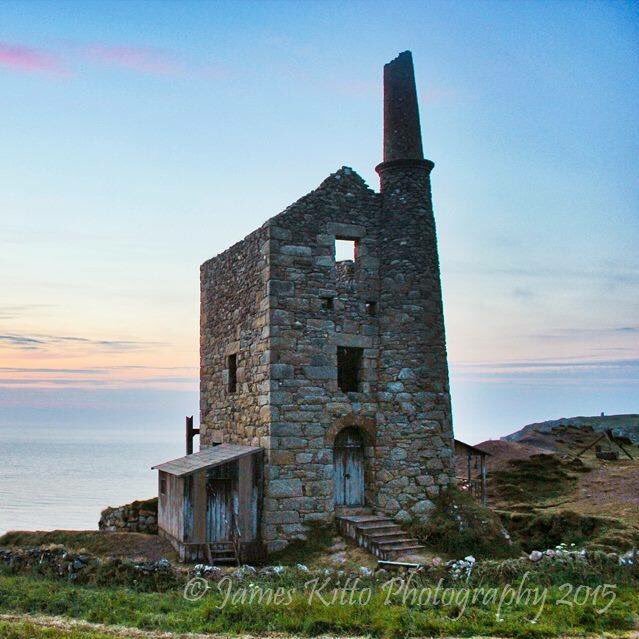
(28,630)
(535,480)
(381,616)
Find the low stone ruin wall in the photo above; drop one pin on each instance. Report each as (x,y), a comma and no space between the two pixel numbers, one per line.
(57,562)
(139,516)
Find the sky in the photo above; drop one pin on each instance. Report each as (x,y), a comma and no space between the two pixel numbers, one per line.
(141,138)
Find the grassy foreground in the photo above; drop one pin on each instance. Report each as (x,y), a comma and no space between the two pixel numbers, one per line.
(379,616)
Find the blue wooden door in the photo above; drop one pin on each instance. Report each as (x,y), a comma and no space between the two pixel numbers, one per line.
(348,468)
(221,502)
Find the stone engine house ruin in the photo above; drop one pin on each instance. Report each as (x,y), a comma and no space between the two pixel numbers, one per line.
(336,370)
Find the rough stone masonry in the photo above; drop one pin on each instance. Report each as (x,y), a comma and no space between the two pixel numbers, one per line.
(296,346)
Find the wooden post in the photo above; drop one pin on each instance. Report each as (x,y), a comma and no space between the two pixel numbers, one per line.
(614,440)
(596,441)
(190,433)
(484,496)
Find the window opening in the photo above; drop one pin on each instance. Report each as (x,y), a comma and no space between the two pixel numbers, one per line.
(349,364)
(232,366)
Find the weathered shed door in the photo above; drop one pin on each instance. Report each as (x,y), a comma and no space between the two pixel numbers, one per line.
(348,468)
(221,502)
(187,508)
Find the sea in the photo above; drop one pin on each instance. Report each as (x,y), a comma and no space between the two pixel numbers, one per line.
(62,475)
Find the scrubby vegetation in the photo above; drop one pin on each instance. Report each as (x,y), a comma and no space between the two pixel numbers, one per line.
(459,526)
(540,530)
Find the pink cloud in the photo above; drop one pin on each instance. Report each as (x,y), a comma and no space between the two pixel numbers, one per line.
(28,60)
(139,59)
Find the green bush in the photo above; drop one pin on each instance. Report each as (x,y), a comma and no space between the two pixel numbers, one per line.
(459,526)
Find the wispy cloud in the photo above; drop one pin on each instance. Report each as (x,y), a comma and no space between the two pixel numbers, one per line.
(19,310)
(553,364)
(145,60)
(521,292)
(36,341)
(25,59)
(611,274)
(95,369)
(21,341)
(552,373)
(126,376)
(579,333)
(67,59)
(66,371)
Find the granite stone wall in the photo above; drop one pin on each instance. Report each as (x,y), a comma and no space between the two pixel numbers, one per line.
(320,304)
(234,321)
(281,302)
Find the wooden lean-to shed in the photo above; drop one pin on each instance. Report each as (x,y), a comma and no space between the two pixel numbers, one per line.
(467,456)
(210,504)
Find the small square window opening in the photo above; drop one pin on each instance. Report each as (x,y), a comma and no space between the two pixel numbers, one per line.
(162,486)
(345,250)
(371,308)
(327,303)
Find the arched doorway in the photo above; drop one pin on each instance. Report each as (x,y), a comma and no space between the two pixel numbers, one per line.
(348,468)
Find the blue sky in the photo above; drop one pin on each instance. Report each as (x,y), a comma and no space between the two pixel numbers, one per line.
(141,138)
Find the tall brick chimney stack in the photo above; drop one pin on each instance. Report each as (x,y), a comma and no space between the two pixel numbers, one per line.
(412,339)
(402,133)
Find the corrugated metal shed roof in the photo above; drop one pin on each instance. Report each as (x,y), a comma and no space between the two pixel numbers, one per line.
(207,457)
(476,450)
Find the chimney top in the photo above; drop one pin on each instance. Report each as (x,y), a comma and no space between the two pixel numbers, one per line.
(402,132)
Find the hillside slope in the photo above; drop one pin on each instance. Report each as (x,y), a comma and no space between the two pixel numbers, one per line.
(621,425)
(544,494)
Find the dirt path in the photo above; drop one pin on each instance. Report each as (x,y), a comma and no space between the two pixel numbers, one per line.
(64,624)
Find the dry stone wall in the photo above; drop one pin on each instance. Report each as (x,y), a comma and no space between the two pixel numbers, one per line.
(138,516)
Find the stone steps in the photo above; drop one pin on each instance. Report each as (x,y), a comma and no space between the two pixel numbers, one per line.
(378,534)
